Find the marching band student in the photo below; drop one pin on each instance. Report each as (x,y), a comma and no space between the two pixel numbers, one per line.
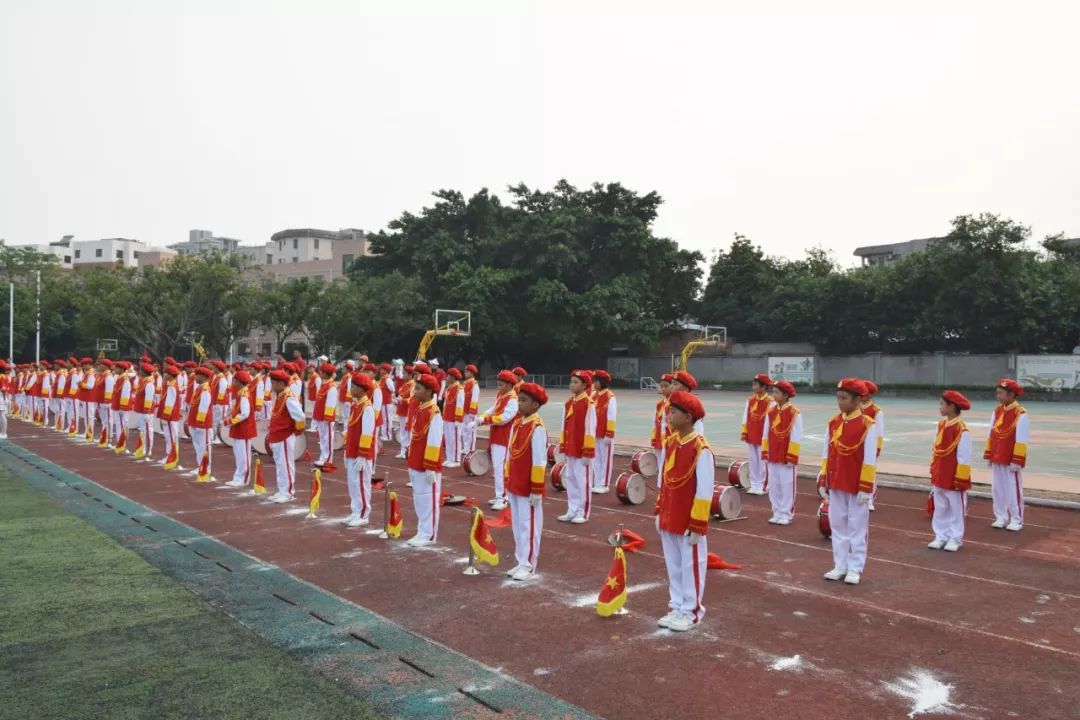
(121,404)
(170,412)
(6,380)
(200,422)
(143,405)
(781,442)
(686,382)
(453,412)
(519,373)
(324,413)
(88,395)
(102,397)
(425,461)
(526,463)
(286,422)
(296,383)
(606,411)
(360,444)
(682,512)
(1006,453)
(440,375)
(950,473)
(660,428)
(386,393)
(499,416)
(219,387)
(752,429)
(60,379)
(242,428)
(849,461)
(471,391)
(577,441)
(873,410)
(404,397)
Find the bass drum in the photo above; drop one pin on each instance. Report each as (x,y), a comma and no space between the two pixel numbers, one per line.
(477,462)
(630,488)
(339,439)
(556,477)
(554,455)
(258,443)
(823,520)
(726,502)
(300,447)
(223,435)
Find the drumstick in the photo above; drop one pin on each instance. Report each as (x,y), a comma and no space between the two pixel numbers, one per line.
(741,517)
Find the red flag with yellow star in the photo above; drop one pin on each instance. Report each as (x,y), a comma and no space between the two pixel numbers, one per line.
(395,522)
(483,545)
(258,485)
(316,493)
(613,593)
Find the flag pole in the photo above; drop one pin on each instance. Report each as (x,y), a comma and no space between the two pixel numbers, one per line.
(385,534)
(619,543)
(11,322)
(471,569)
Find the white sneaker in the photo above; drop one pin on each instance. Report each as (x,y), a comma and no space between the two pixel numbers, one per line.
(565,517)
(399,456)
(783,521)
(235,483)
(998,524)
(418,541)
(664,621)
(511,571)
(600,489)
(835,574)
(1014,526)
(408,483)
(522,573)
(191,473)
(870,506)
(319,463)
(350,519)
(357,522)
(936,544)
(451,465)
(952,546)
(283,499)
(579,520)
(752,491)
(774,520)
(852,578)
(681,622)
(498,505)
(492,501)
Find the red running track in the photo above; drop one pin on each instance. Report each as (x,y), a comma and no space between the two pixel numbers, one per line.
(990,632)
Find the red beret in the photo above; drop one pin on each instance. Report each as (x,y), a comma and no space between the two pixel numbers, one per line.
(688,403)
(44,363)
(242,376)
(362,380)
(61,363)
(956,399)
(472,368)
(871,387)
(169,360)
(218,364)
(428,380)
(189,364)
(667,377)
(370,367)
(203,370)
(146,367)
(73,361)
(853,385)
(87,361)
(421,368)
(763,378)
(280,375)
(409,369)
(106,362)
(686,379)
(519,371)
(507,377)
(328,368)
(387,367)
(785,387)
(535,392)
(454,372)
(601,375)
(584,375)
(1010,384)
(172,370)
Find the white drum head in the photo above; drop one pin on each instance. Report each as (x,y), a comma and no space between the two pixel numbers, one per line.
(223,434)
(339,439)
(647,463)
(730,503)
(301,445)
(630,488)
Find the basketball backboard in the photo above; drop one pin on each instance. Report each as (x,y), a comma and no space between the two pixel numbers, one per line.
(453,322)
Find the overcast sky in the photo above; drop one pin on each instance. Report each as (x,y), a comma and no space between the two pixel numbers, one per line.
(807,123)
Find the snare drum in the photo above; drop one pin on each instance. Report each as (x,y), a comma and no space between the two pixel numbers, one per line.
(555,455)
(339,439)
(556,477)
(726,502)
(301,445)
(223,433)
(630,488)
(738,474)
(477,462)
(823,519)
(644,463)
(822,487)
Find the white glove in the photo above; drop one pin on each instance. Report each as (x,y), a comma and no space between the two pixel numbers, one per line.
(430,476)
(1014,468)
(863,498)
(657,523)
(535,499)
(695,538)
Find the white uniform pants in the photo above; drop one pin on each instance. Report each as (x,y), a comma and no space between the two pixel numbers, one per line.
(403,435)
(103,418)
(578,482)
(468,434)
(358,476)
(170,431)
(80,414)
(1008,492)
(386,422)
(219,417)
(660,465)
(528,524)
(116,423)
(326,440)
(242,456)
(601,468)
(200,440)
(782,489)
(759,472)
(950,507)
(452,441)
(498,469)
(686,566)
(146,433)
(427,498)
(284,465)
(91,417)
(850,524)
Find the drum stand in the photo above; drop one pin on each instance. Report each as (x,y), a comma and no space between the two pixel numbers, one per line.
(471,569)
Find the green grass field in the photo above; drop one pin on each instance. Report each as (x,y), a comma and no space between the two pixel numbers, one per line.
(90,630)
